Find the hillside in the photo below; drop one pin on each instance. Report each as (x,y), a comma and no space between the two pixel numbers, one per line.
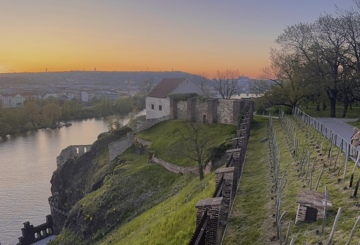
(130,200)
(252,220)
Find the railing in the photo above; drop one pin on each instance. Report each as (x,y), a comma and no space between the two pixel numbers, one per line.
(342,143)
(219,187)
(199,235)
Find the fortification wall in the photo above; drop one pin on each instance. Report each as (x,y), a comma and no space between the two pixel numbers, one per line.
(148,123)
(225,111)
(182,110)
(201,108)
(118,147)
(71,151)
(174,168)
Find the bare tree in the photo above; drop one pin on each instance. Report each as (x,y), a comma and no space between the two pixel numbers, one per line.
(323,52)
(196,145)
(226,83)
(288,79)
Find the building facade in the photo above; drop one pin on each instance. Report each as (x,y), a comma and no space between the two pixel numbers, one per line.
(158,100)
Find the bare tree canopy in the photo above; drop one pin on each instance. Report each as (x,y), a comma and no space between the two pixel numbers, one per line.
(317,60)
(226,83)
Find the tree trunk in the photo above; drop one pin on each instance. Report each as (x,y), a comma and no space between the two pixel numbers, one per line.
(201,172)
(324,106)
(318,106)
(346,105)
(332,107)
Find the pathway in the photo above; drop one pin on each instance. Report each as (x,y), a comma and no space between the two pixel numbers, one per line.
(340,127)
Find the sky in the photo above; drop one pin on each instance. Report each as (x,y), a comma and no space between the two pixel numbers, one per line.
(195,36)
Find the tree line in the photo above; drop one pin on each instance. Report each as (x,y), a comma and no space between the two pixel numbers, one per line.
(316,63)
(44,113)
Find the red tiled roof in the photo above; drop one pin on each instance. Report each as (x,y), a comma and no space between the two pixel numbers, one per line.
(165,87)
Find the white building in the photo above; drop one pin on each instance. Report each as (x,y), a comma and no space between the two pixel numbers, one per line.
(158,100)
(12,100)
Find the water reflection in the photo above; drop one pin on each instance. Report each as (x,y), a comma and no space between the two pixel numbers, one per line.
(27,163)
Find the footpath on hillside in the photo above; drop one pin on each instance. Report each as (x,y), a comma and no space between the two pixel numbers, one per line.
(339,126)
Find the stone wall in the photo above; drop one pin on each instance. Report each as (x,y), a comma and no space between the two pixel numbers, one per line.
(71,151)
(225,111)
(118,147)
(148,123)
(213,213)
(209,111)
(201,108)
(181,110)
(174,168)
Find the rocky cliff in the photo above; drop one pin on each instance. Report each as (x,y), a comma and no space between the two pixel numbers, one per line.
(80,176)
(91,196)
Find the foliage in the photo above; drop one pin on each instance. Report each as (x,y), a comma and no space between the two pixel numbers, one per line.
(316,62)
(37,114)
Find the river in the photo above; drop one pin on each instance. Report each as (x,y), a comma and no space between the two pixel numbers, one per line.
(27,163)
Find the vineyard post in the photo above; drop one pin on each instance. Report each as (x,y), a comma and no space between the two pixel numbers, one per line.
(334,226)
(353,230)
(356,187)
(353,171)
(311,174)
(346,159)
(325,204)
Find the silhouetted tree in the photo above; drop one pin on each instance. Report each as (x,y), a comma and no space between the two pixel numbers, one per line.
(226,83)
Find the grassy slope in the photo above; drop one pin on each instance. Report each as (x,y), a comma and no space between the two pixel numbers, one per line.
(251,219)
(166,141)
(171,222)
(143,203)
(250,205)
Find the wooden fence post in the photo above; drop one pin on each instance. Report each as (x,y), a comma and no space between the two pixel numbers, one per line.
(334,226)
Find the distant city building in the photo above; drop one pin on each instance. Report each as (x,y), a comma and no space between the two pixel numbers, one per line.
(48,96)
(11,100)
(84,96)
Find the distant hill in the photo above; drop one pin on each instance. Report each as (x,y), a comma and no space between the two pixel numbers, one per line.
(89,77)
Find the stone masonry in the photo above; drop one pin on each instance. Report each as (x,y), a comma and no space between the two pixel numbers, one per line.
(71,151)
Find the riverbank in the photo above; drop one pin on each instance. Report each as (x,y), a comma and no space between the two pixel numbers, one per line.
(28,162)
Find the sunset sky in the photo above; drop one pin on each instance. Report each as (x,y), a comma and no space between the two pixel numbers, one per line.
(196,36)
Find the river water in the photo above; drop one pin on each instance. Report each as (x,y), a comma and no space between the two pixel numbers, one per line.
(26,166)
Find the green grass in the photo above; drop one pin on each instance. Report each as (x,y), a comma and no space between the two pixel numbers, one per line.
(246,224)
(351,113)
(170,222)
(168,144)
(140,202)
(251,220)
